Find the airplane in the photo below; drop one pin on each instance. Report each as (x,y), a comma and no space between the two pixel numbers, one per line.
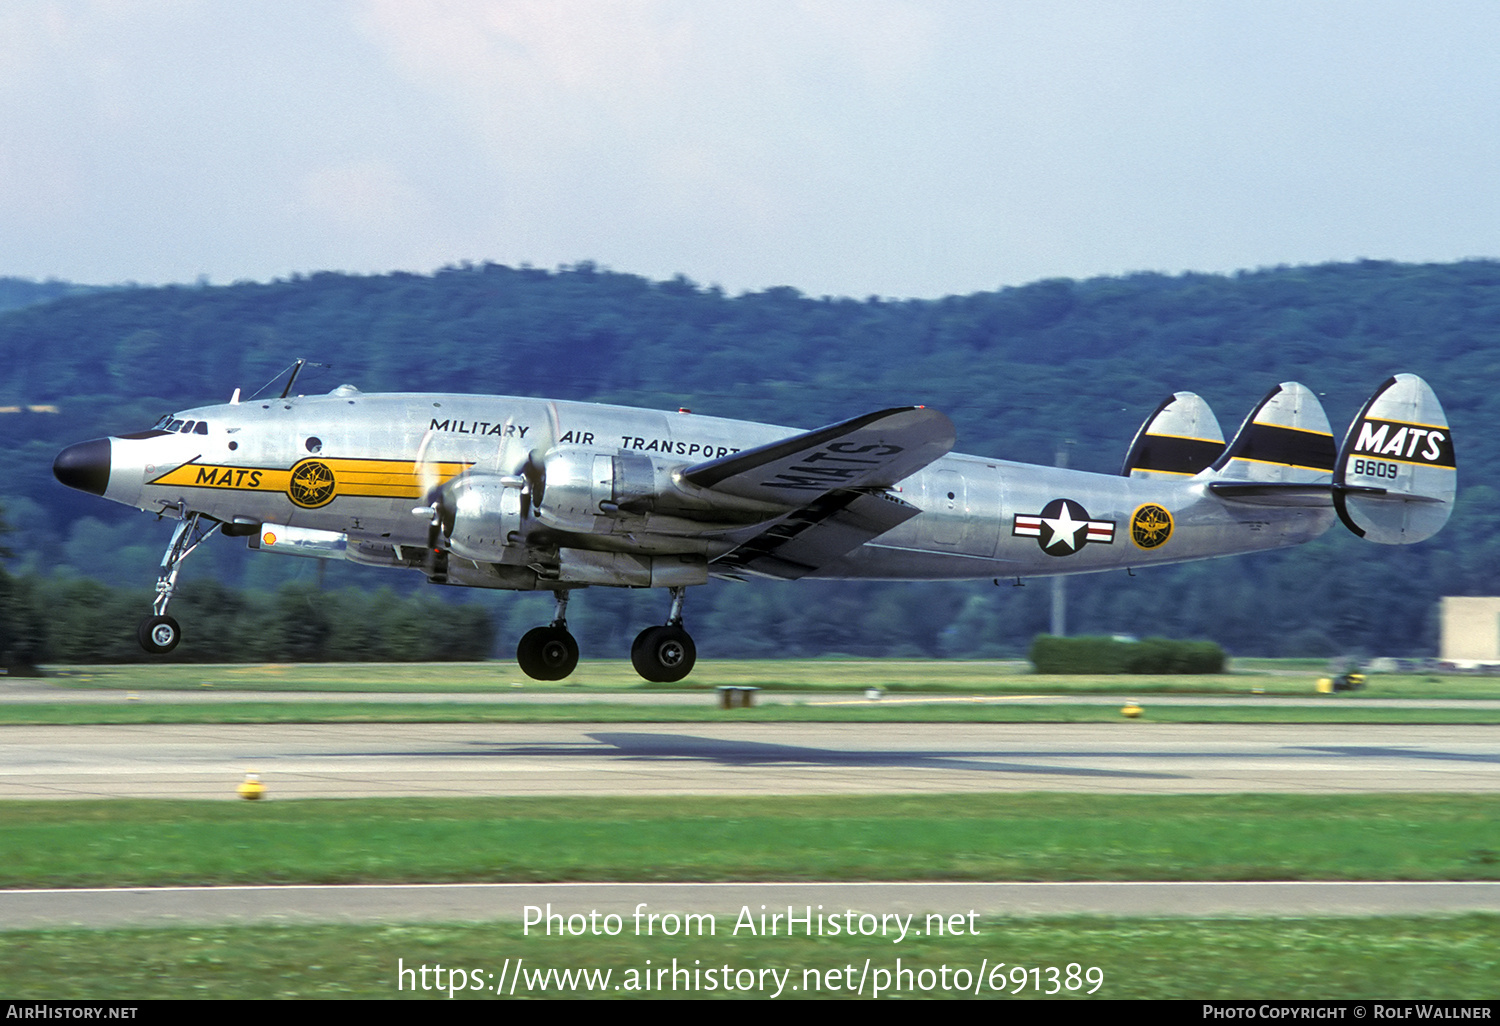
(532,494)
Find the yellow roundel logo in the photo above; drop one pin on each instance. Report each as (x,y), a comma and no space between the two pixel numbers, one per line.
(1150,526)
(312,484)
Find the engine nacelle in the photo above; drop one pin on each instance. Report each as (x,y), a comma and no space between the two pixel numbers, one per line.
(587,490)
(488,516)
(579,482)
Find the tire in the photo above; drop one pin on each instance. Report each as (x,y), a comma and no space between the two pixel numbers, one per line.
(635,646)
(158,634)
(663,655)
(547,653)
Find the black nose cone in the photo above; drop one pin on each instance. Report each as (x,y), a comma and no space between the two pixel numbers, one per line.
(84,466)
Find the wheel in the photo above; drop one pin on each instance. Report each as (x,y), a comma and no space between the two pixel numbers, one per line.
(158,634)
(558,652)
(547,653)
(663,655)
(635,646)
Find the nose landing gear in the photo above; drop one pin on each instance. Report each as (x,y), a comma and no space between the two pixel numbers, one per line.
(159,633)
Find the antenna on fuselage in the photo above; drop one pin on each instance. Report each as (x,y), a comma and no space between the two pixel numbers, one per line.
(296,369)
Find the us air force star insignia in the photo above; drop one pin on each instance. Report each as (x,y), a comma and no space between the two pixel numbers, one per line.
(311,485)
(1063,527)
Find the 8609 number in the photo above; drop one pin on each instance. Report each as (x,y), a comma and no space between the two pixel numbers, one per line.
(1376,468)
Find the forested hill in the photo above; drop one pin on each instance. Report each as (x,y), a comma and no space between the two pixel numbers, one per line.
(18,292)
(1020,370)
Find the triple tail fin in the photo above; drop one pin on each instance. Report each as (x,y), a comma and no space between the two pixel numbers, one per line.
(1397,475)
(1179,439)
(1392,480)
(1283,455)
(1285,439)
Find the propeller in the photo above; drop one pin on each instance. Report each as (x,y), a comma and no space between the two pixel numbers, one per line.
(518,463)
(523,464)
(430,482)
(535,467)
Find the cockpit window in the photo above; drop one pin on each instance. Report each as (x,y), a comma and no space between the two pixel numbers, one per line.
(186,427)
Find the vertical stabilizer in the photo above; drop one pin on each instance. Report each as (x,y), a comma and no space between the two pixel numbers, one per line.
(1397,475)
(1285,440)
(1180,438)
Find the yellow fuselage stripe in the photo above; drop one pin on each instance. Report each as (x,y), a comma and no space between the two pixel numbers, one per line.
(393,479)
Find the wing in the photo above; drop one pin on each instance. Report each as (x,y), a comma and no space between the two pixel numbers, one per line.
(873,451)
(834,479)
(814,535)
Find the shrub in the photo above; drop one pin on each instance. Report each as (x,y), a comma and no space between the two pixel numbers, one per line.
(1051,654)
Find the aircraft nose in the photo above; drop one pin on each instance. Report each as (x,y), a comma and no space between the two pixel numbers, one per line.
(84,466)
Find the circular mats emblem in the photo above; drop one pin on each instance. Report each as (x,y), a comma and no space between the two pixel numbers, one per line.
(312,484)
(1150,526)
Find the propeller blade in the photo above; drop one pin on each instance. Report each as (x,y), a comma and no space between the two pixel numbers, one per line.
(430,482)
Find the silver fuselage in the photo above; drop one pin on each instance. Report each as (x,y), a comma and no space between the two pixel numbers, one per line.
(379,454)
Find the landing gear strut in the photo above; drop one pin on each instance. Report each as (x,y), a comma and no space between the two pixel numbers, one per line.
(159,633)
(665,655)
(550,652)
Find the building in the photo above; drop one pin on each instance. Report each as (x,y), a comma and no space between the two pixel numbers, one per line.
(1471,630)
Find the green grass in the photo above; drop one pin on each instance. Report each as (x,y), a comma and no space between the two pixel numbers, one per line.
(583,711)
(1270,677)
(1278,959)
(968,837)
(987,837)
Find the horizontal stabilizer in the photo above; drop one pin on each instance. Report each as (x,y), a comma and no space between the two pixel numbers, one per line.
(869,452)
(1285,439)
(1397,475)
(1180,438)
(1274,493)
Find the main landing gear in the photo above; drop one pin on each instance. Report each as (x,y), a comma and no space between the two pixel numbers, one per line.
(665,654)
(549,653)
(662,655)
(159,633)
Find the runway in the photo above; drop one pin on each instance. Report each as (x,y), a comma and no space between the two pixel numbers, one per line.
(25,692)
(368,760)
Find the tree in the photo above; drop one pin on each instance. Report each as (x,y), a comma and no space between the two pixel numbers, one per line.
(21,629)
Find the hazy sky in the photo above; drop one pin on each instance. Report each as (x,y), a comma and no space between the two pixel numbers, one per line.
(850,147)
